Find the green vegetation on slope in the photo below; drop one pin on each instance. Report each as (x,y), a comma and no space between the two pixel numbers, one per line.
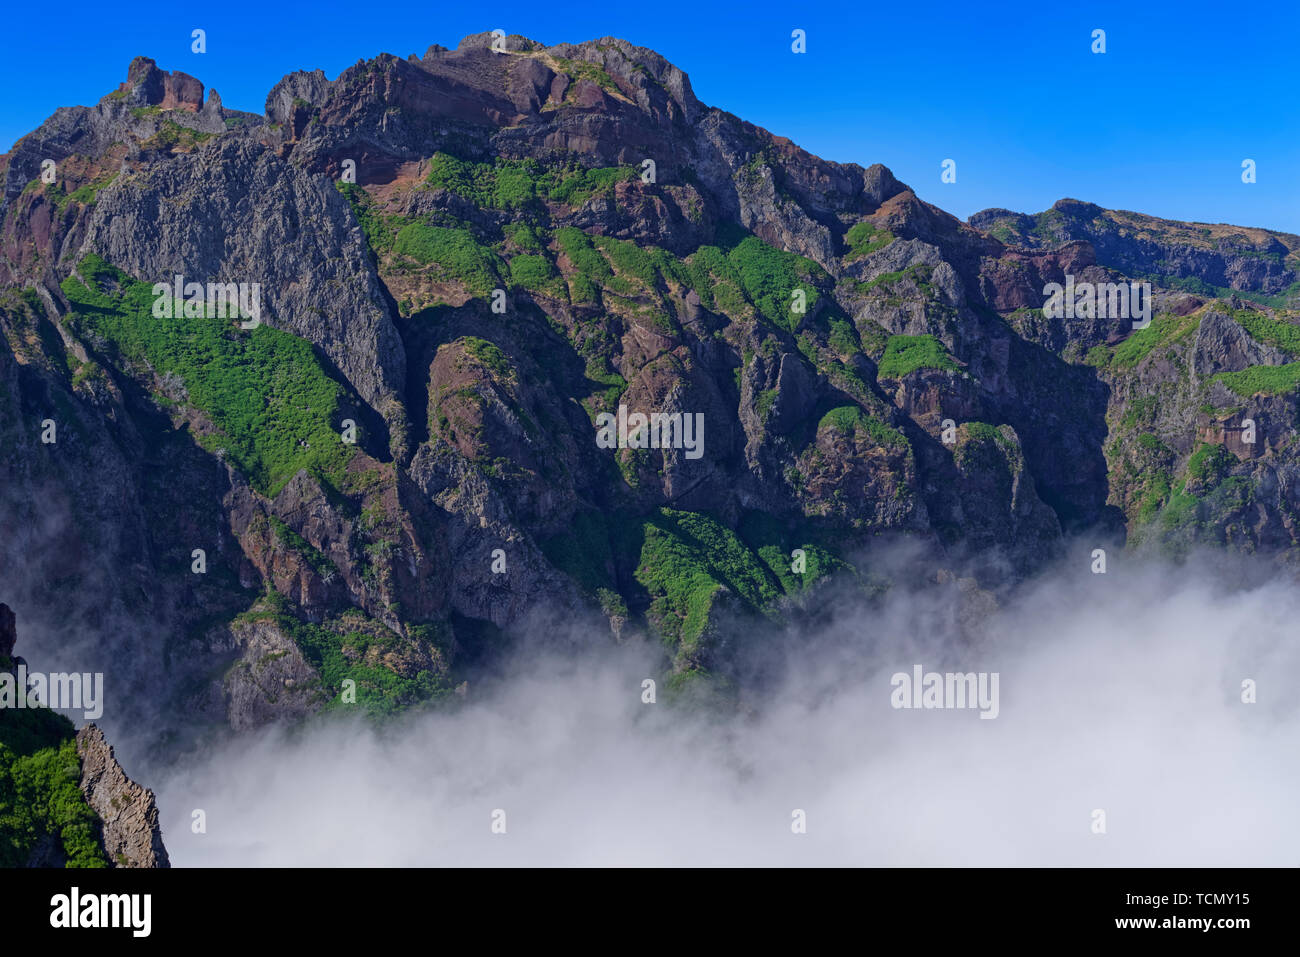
(1266,380)
(455,251)
(586,70)
(1282,335)
(1208,465)
(379,229)
(850,418)
(275,408)
(904,354)
(489,355)
(338,657)
(39,792)
(864,239)
(770,277)
(171,136)
(513,185)
(1199,503)
(684,561)
(535,273)
(591,269)
(1164,330)
(687,559)
(291,540)
(775,546)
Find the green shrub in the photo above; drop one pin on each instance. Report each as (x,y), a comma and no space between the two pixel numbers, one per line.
(338,656)
(87,194)
(629,259)
(1154,496)
(686,559)
(1164,330)
(1265,380)
(1152,444)
(513,185)
(1098,357)
(1208,465)
(290,539)
(171,136)
(489,355)
(454,251)
(984,432)
(1182,510)
(769,276)
(904,354)
(774,544)
(843,339)
(508,187)
(847,419)
(523,236)
(864,239)
(586,70)
(586,259)
(1283,335)
(575,187)
(379,229)
(40,794)
(535,273)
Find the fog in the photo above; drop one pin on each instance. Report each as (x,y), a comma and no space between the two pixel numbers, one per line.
(1119,692)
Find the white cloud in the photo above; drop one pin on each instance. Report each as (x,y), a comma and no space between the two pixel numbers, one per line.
(1118,691)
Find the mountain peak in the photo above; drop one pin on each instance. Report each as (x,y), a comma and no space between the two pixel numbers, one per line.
(147,85)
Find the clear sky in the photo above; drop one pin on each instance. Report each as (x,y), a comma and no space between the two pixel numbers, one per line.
(1159,123)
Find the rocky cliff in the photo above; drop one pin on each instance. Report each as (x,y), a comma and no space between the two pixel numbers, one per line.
(129,816)
(462,262)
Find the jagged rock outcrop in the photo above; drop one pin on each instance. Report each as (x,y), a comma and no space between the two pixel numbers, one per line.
(146,85)
(131,835)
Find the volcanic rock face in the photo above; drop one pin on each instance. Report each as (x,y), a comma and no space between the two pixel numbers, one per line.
(131,835)
(239,211)
(463,260)
(146,85)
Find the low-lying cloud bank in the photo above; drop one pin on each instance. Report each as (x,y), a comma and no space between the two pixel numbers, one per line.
(1119,693)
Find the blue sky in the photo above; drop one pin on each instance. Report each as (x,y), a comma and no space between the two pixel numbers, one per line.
(1160,123)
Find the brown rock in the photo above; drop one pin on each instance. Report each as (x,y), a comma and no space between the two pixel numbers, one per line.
(170,90)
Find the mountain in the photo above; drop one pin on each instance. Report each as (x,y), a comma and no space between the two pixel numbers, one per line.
(464,261)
